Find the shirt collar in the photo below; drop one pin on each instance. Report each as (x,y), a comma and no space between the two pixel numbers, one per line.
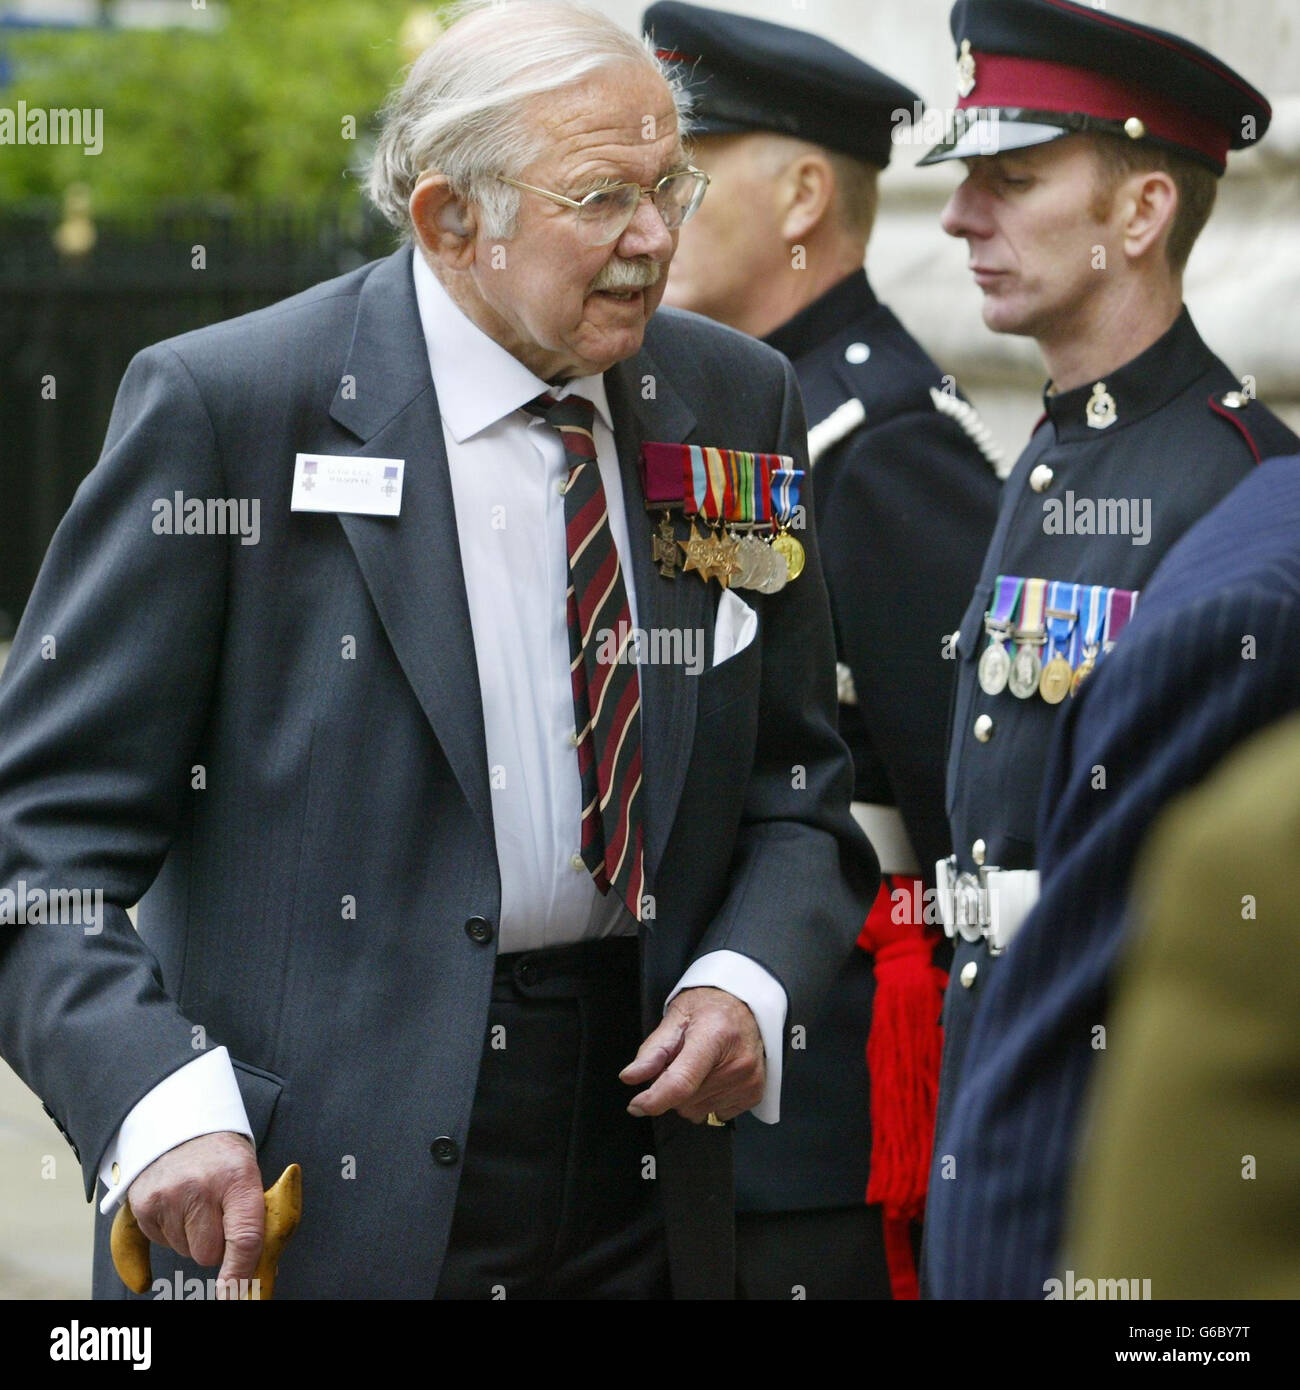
(1143,385)
(477,381)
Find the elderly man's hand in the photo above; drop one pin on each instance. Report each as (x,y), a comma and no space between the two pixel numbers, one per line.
(707,1055)
(204,1200)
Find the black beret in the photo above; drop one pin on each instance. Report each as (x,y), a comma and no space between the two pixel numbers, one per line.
(746,74)
(1030,71)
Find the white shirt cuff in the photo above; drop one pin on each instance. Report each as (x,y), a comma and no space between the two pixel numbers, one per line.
(765,996)
(201,1097)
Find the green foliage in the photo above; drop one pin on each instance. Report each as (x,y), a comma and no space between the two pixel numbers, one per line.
(250,113)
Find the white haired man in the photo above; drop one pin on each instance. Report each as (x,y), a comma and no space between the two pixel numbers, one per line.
(430,843)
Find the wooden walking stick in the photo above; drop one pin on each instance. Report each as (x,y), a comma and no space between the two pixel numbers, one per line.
(130,1246)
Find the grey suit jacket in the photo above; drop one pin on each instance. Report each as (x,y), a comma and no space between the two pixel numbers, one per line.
(357,1041)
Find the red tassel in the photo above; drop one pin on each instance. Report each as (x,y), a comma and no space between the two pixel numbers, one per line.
(903,1051)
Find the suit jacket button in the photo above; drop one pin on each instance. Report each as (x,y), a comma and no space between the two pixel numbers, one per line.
(479,930)
(968,973)
(445,1150)
(857,353)
(984,728)
(1041,478)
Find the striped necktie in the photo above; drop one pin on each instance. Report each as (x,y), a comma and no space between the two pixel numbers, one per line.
(606,695)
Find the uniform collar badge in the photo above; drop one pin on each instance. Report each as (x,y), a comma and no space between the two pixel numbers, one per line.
(1102,411)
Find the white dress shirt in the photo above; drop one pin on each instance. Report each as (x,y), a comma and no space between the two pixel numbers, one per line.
(507,469)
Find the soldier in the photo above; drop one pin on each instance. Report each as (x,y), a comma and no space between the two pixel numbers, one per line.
(1093,147)
(794,132)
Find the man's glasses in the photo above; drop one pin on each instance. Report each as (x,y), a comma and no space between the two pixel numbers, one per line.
(603,216)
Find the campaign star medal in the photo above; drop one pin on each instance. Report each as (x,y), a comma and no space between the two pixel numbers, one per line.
(965,70)
(695,549)
(1102,411)
(664,548)
(728,560)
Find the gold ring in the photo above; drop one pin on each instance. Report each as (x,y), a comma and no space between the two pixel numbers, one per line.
(713,1120)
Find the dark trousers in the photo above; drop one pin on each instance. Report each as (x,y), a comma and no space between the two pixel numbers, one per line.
(833,1252)
(558,1197)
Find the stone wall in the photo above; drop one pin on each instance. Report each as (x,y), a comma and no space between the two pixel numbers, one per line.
(1243,281)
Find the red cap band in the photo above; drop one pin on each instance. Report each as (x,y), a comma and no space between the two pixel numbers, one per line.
(1043,86)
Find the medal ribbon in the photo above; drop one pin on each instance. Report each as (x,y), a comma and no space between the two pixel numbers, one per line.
(1098,607)
(1063,599)
(1031,611)
(785,488)
(1006,596)
(1119,610)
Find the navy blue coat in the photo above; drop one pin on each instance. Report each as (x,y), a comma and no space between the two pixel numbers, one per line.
(1183,687)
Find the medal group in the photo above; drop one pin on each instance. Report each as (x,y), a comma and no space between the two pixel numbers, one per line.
(746,503)
(1047,636)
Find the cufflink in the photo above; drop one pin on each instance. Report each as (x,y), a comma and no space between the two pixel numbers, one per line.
(713,1120)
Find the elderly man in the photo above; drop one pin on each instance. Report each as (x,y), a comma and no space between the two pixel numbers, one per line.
(793,132)
(470,775)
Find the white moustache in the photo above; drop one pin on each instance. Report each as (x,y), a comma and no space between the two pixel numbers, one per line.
(627,275)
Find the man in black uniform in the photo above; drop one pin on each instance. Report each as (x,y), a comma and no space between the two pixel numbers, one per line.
(793,132)
(1093,146)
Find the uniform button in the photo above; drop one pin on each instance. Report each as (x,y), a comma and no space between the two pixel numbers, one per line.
(576,864)
(479,929)
(1041,478)
(573,738)
(983,728)
(1234,400)
(968,973)
(562,486)
(978,850)
(857,353)
(117,1175)
(445,1150)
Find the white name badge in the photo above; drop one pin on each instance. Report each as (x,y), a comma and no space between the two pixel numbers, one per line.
(347,483)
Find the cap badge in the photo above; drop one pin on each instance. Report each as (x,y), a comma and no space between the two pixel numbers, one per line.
(965,70)
(1102,411)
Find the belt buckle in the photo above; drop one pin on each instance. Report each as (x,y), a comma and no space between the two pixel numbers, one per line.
(971,911)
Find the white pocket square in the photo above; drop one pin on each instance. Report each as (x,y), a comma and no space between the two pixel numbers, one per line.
(734,628)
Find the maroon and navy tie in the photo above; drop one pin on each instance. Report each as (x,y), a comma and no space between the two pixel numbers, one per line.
(606,694)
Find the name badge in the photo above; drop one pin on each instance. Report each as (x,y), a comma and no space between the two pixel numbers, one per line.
(347,483)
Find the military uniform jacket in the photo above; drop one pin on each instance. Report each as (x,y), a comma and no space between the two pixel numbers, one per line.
(1182,437)
(906,504)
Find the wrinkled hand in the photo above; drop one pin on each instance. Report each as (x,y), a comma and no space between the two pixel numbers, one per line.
(204,1200)
(707,1055)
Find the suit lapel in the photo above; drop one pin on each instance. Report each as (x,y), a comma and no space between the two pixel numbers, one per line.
(411,563)
(667,691)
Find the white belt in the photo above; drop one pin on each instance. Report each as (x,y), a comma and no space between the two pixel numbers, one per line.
(990,905)
(883,826)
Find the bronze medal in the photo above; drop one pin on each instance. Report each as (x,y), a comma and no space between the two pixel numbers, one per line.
(665,548)
(1056,680)
(790,546)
